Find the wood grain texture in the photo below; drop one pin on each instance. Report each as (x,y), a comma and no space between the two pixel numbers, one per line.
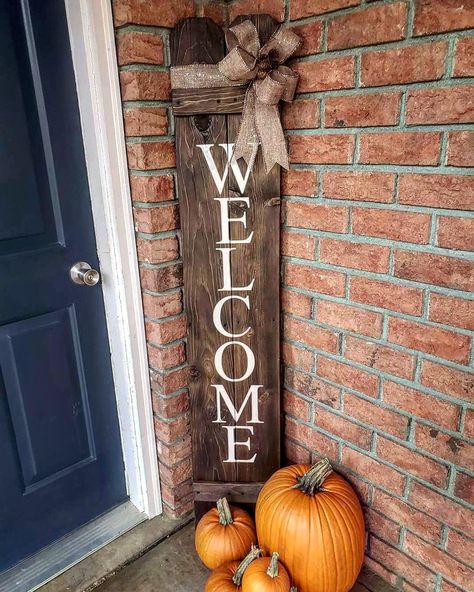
(234,492)
(203,100)
(200,40)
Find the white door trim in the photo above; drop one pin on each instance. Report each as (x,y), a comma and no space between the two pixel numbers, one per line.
(91,33)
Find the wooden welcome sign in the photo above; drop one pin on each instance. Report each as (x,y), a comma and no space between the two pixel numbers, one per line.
(230,220)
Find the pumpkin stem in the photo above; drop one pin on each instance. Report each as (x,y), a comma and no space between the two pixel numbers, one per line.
(272,570)
(225,515)
(239,574)
(313,479)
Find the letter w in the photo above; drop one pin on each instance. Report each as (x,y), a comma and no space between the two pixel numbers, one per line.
(221,395)
(220,180)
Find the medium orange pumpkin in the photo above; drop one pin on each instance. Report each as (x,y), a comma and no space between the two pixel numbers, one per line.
(224,534)
(266,574)
(228,578)
(312,517)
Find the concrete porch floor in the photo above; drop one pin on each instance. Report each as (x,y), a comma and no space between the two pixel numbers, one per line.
(173,566)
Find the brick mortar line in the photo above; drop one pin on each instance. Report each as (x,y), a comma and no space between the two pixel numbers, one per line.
(385,168)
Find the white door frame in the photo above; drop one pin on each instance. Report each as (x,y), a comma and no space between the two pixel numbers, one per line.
(92,38)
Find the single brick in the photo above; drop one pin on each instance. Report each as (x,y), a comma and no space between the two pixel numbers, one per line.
(460,546)
(167,330)
(403,565)
(432,340)
(348,376)
(295,406)
(343,428)
(151,188)
(332,149)
(166,383)
(380,357)
(436,16)
(214,10)
(299,182)
(145,85)
(447,587)
(449,310)
(145,121)
(157,219)
(372,414)
(311,35)
(141,12)
(296,454)
(312,387)
(171,406)
(158,250)
(381,526)
(392,224)
(469,423)
(294,244)
(404,65)
(314,279)
(310,335)
(440,105)
(147,156)
(177,474)
(354,255)
(415,402)
(296,356)
(159,306)
(400,148)
(435,269)
(454,192)
(311,439)
(464,57)
(296,303)
(399,511)
(373,470)
(461,148)
(274,8)
(361,186)
(445,446)
(302,8)
(448,380)
(317,217)
(163,278)
(136,47)
(374,24)
(386,295)
(174,453)
(168,431)
(412,462)
(301,114)
(456,233)
(166,357)
(328,74)
(439,560)
(350,318)
(464,489)
(362,110)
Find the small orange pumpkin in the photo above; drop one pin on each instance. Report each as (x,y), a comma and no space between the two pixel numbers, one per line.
(228,578)
(266,574)
(224,534)
(312,517)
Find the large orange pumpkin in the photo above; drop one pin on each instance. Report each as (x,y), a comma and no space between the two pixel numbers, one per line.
(312,517)
(266,574)
(224,534)
(228,578)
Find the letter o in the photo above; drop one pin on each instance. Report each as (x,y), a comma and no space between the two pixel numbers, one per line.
(250,361)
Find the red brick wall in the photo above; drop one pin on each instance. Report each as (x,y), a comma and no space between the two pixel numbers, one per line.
(377,262)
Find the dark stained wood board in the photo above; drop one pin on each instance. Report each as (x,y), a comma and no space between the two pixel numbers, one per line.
(201,41)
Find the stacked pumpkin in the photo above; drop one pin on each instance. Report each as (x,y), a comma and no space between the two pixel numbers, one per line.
(310,530)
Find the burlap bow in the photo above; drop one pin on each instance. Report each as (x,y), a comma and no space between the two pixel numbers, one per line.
(268,83)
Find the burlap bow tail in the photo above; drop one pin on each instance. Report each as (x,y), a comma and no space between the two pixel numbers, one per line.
(268,83)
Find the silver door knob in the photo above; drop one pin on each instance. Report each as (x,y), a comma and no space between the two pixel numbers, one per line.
(82,273)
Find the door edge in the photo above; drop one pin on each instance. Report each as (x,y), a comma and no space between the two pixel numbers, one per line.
(92,40)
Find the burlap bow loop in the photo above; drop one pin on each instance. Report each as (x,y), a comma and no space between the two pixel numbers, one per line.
(269,82)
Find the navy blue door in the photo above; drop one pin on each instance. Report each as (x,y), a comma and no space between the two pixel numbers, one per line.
(61,461)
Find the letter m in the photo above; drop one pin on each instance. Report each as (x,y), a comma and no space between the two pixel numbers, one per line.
(222,396)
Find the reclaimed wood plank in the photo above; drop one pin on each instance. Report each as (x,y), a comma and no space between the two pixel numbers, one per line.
(235,492)
(208,100)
